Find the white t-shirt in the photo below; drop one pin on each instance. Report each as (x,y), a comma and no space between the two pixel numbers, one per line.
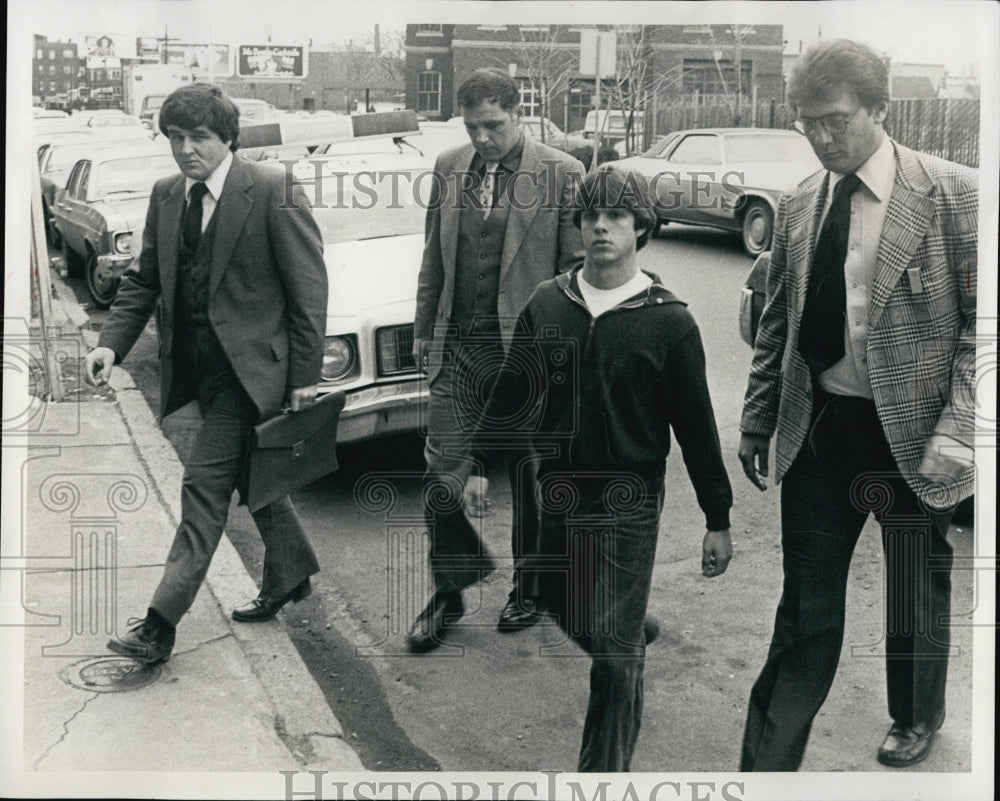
(601,300)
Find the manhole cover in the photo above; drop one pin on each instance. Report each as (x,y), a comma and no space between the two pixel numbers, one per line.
(111,674)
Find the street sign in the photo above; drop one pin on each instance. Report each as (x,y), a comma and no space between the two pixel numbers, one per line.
(598,51)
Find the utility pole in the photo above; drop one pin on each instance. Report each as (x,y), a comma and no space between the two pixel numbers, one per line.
(165,40)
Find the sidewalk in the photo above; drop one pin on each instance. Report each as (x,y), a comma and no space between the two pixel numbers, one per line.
(101,489)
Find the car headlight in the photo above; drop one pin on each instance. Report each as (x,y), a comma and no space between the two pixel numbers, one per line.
(338,358)
(122,242)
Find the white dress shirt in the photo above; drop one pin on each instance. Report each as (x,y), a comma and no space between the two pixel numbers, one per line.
(214,184)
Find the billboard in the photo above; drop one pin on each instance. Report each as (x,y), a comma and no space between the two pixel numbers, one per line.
(203,60)
(283,62)
(105,45)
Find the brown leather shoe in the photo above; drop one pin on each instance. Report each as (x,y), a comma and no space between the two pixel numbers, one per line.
(427,630)
(264,608)
(907,745)
(517,615)
(150,640)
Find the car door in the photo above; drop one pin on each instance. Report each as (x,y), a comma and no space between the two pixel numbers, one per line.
(693,170)
(71,210)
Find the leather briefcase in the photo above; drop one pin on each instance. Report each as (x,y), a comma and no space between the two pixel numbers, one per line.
(291,450)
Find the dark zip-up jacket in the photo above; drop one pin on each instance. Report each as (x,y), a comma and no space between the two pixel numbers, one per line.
(606,392)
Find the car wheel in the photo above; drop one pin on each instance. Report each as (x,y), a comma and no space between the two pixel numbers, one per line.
(73,262)
(758,224)
(102,285)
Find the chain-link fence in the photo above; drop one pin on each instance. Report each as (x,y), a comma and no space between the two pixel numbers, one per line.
(948,128)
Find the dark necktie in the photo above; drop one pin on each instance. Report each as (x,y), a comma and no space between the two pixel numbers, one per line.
(821,332)
(193,216)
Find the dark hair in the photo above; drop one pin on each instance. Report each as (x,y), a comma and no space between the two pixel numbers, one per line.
(613,187)
(826,68)
(202,104)
(489,85)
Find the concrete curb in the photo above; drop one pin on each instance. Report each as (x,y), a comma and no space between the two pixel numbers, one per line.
(304,721)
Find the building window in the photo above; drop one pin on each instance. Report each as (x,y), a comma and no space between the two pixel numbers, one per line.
(702,76)
(38,54)
(68,70)
(429,30)
(581,100)
(67,53)
(429,92)
(531,100)
(52,69)
(52,54)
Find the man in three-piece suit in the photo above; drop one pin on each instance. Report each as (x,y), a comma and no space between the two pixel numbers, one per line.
(864,370)
(236,266)
(499,223)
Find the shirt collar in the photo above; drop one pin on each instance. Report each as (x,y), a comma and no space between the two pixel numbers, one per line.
(877,173)
(511,162)
(215,181)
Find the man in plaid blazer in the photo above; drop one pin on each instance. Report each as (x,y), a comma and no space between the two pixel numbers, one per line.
(883,425)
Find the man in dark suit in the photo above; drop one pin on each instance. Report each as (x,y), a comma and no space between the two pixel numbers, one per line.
(499,223)
(237,267)
(864,371)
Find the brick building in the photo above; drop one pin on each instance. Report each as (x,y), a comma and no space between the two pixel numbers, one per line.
(668,64)
(56,72)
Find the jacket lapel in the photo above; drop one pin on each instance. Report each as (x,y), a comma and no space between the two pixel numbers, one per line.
(804,210)
(519,218)
(171,211)
(451,208)
(907,219)
(231,214)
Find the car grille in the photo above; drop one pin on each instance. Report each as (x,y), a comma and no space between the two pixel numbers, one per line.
(395,350)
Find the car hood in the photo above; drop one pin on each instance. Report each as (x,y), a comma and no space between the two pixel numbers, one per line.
(122,214)
(373,273)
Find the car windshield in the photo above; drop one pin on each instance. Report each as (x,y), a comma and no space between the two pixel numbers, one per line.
(767,147)
(135,174)
(371,205)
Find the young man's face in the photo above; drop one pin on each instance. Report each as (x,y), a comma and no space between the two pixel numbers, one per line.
(492,131)
(609,235)
(197,151)
(842,152)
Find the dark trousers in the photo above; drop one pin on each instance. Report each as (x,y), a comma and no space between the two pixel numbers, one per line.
(212,473)
(458,394)
(598,545)
(844,473)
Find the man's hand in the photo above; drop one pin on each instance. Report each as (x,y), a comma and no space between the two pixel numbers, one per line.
(945,459)
(420,349)
(476,495)
(301,397)
(716,551)
(753,456)
(97,366)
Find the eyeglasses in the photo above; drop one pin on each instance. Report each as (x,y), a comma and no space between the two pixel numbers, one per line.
(833,124)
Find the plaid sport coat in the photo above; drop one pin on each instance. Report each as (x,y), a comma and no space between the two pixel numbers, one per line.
(922,320)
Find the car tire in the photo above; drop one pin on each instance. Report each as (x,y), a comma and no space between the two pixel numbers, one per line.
(758,227)
(74,263)
(102,290)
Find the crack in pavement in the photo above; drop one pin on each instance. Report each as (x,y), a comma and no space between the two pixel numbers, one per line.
(65,731)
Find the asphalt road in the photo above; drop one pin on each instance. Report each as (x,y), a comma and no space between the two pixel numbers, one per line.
(516,702)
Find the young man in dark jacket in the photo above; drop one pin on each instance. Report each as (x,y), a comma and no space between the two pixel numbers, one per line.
(604,362)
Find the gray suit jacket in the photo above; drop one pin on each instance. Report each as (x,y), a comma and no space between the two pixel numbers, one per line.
(267,285)
(921,320)
(540,240)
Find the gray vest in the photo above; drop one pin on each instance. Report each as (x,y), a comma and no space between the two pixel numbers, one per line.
(477,268)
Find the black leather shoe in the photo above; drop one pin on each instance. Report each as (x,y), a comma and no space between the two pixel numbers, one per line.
(907,745)
(517,615)
(149,641)
(427,630)
(264,608)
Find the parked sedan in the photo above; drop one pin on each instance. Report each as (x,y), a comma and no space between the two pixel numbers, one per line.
(370,209)
(728,178)
(544,130)
(58,152)
(105,200)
